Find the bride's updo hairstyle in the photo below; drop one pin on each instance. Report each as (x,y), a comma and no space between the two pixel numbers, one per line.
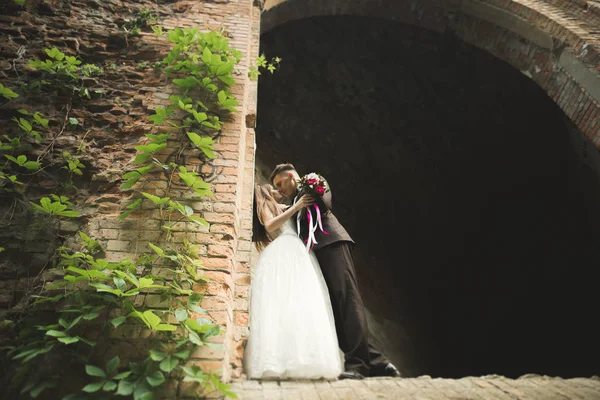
(263,203)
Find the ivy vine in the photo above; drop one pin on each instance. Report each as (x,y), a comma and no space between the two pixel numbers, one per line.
(91,305)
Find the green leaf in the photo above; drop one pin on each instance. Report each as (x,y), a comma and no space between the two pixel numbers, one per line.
(157,355)
(187,83)
(200,116)
(6,92)
(206,56)
(156,379)
(39,388)
(203,143)
(93,387)
(130,209)
(184,354)
(55,53)
(158,30)
(195,298)
(68,340)
(24,124)
(224,69)
(112,365)
(11,158)
(222,96)
(122,375)
(73,121)
(195,338)
(169,364)
(118,321)
(32,165)
(55,333)
(165,327)
(148,283)
(31,354)
(159,201)
(120,283)
(152,319)
(158,138)
(198,220)
(181,314)
(109,386)
(91,316)
(159,116)
(74,322)
(125,388)
(227,79)
(40,119)
(157,249)
(94,371)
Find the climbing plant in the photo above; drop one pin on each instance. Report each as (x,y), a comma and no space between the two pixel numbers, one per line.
(93,304)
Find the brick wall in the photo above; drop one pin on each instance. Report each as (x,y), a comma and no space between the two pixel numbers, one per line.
(114,124)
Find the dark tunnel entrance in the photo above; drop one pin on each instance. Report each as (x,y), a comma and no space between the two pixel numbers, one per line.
(475,205)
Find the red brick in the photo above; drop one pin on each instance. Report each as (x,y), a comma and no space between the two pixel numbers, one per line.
(219,317)
(225,188)
(224,207)
(215,250)
(227,229)
(242,279)
(218,218)
(207,352)
(225,197)
(225,239)
(241,318)
(214,303)
(222,277)
(211,289)
(216,263)
(242,291)
(240,304)
(242,268)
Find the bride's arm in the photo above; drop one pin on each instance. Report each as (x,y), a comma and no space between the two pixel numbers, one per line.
(272,223)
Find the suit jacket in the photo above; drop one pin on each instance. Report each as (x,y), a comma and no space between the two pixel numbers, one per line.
(331,225)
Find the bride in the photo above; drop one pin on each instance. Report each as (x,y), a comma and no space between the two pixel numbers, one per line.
(292,330)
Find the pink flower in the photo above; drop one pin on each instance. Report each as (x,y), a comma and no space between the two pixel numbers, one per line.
(320,190)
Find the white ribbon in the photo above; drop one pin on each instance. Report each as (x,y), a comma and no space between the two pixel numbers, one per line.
(312,225)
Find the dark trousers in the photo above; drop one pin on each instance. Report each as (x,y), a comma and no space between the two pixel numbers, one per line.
(337,265)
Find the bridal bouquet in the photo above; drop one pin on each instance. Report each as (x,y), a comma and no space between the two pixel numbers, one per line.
(314,185)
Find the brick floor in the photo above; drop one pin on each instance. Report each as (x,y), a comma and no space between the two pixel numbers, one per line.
(424,388)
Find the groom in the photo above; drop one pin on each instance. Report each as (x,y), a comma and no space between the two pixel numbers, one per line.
(334,252)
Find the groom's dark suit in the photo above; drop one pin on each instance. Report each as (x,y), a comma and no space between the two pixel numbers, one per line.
(334,252)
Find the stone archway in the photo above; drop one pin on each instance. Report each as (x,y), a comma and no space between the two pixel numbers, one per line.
(556,44)
(506,43)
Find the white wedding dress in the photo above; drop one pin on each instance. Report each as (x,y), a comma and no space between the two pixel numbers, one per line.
(292,330)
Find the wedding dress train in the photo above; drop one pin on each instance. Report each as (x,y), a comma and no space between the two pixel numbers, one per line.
(292,330)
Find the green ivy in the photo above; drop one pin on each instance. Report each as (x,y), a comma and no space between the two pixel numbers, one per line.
(63,71)
(69,325)
(104,303)
(141,19)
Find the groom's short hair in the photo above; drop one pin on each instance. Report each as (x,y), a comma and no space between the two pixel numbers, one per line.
(279,169)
